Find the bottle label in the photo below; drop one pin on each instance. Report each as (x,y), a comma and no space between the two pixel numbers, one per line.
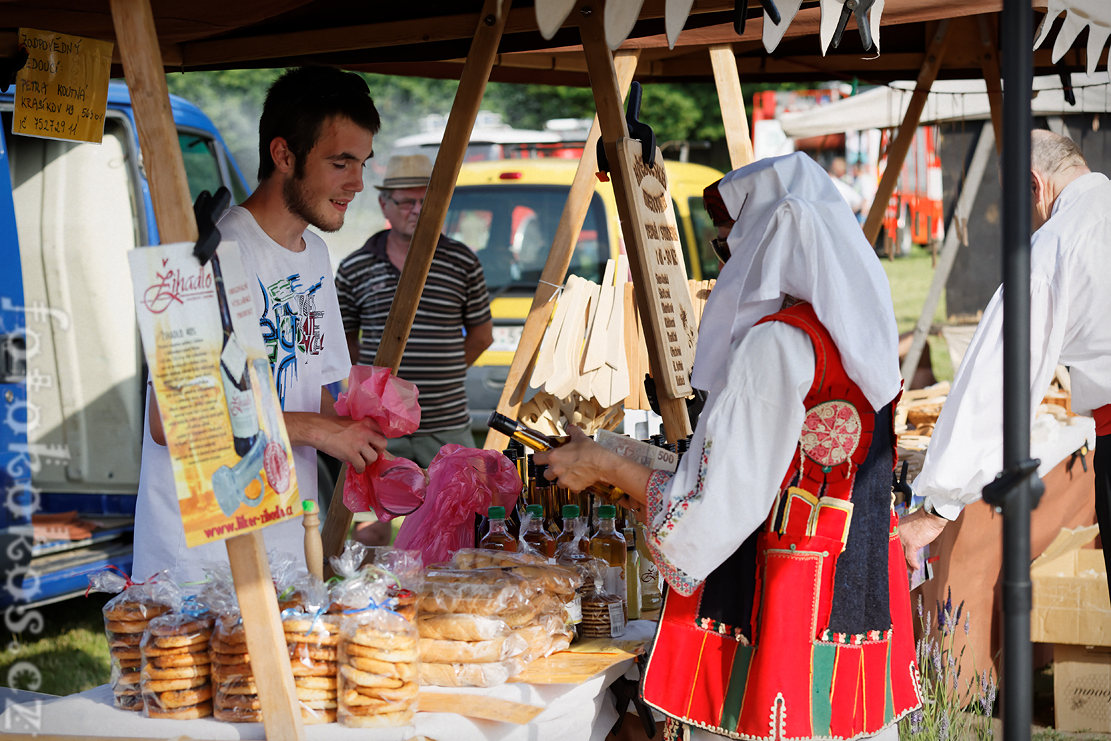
(575,610)
(241,410)
(234,359)
(615,582)
(617,620)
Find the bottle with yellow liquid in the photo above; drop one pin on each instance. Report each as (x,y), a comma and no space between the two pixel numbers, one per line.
(610,546)
(534,533)
(574,530)
(497,537)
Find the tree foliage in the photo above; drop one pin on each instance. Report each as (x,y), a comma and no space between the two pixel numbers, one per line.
(233,99)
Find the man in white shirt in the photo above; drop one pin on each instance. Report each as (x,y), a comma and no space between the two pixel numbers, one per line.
(1069,310)
(315,136)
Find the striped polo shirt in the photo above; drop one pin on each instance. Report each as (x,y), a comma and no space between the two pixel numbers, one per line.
(454,298)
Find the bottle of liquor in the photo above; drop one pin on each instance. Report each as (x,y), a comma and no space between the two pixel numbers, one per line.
(233,373)
(497,537)
(540,442)
(632,575)
(609,545)
(574,531)
(533,532)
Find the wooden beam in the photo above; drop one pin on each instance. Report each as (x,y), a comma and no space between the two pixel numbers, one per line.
(897,153)
(989,62)
(559,259)
(732,103)
(165,168)
(611,120)
(445,171)
(967,199)
(154,121)
(258,604)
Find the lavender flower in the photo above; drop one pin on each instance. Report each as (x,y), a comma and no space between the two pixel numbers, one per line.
(967,622)
(916,724)
(943,727)
(919,607)
(935,659)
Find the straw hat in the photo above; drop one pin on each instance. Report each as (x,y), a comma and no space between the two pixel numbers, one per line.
(407,171)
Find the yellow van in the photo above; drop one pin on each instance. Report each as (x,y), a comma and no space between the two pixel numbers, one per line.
(507,212)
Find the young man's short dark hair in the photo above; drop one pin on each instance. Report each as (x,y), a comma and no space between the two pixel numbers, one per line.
(299,102)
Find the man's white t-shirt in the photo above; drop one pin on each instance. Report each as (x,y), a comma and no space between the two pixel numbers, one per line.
(295,299)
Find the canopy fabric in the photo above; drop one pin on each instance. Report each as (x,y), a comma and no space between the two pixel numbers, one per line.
(949,100)
(1094,15)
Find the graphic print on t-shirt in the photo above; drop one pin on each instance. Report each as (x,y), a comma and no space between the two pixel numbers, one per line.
(291,324)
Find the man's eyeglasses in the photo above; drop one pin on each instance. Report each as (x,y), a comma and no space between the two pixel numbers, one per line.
(721,248)
(406,204)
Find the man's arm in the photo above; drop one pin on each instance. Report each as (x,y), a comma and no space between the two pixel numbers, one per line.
(353,346)
(477,339)
(357,443)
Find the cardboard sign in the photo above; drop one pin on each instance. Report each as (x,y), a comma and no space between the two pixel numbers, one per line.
(670,317)
(232,460)
(62,90)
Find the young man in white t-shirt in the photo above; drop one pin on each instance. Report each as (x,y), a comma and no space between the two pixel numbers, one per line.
(315,136)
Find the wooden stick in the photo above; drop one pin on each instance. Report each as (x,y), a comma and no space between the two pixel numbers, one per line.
(559,259)
(258,604)
(732,103)
(611,120)
(897,153)
(464,110)
(154,121)
(989,63)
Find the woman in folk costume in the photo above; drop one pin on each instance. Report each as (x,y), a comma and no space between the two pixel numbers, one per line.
(788,613)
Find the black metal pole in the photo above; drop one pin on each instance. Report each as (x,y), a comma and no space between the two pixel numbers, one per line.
(1017,682)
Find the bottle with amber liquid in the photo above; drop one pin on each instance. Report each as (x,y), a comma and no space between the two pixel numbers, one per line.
(540,442)
(574,530)
(497,536)
(533,532)
(609,545)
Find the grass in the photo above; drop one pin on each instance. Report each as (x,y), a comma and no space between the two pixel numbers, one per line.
(68,652)
(910,279)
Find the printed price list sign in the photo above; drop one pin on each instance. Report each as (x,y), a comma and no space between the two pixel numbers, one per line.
(62,90)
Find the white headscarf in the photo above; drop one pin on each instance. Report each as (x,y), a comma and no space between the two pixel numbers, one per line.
(795,235)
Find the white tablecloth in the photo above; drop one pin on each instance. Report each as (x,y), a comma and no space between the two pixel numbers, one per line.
(571,711)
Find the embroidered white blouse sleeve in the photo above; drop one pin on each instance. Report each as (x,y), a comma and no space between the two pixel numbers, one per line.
(726,483)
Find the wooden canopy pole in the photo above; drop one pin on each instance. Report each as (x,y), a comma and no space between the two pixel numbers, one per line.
(969,188)
(559,259)
(732,102)
(146,81)
(897,154)
(464,110)
(611,120)
(993,77)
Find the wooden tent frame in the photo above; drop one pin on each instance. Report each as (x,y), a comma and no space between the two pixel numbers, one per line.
(144,62)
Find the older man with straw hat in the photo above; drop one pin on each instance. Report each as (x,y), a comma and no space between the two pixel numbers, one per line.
(452,326)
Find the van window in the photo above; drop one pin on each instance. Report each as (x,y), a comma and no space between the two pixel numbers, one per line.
(511,231)
(704,231)
(202,168)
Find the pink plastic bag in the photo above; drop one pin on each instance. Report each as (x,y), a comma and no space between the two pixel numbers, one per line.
(462,482)
(391,487)
(376,393)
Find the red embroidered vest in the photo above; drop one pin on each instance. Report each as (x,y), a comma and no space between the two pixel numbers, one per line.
(776,643)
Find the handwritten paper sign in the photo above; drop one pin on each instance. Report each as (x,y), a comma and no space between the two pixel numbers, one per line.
(671,316)
(232,460)
(62,91)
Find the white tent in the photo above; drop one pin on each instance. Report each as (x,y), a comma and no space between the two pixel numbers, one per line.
(949,100)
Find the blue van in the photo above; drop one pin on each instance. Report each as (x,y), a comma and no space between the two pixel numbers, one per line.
(71,362)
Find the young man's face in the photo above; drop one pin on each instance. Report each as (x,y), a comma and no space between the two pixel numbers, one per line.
(402,208)
(332,174)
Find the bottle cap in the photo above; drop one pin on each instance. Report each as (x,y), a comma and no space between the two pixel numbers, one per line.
(539,477)
(570,510)
(501,423)
(510,453)
(496,513)
(536,510)
(607,510)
